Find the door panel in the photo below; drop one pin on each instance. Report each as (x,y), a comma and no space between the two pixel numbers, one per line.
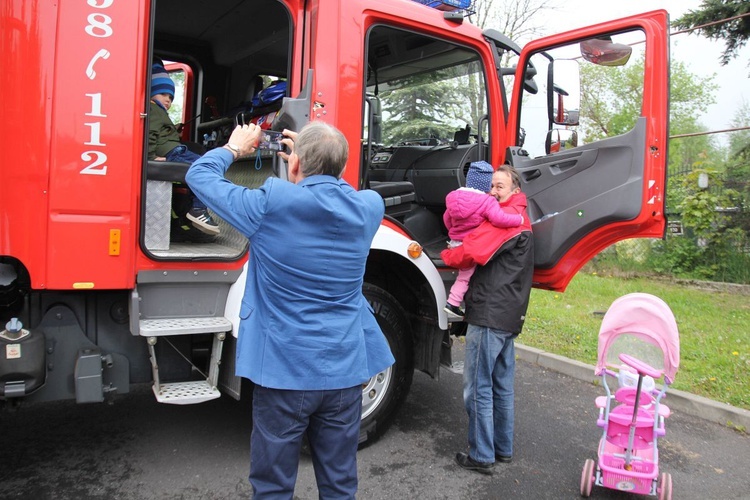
(606,182)
(580,191)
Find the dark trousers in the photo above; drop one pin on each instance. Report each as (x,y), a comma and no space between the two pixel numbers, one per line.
(182,154)
(280,420)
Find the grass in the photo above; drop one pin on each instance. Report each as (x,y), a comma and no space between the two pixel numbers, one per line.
(714,330)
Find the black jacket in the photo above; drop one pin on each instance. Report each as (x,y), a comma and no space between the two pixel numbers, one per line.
(499,291)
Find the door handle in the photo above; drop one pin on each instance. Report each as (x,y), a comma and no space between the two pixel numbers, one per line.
(531,175)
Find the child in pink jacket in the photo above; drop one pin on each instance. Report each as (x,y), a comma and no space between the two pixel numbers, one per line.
(466,208)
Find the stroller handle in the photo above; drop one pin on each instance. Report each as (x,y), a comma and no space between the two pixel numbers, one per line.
(640,367)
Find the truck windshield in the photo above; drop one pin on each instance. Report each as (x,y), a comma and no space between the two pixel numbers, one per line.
(430,91)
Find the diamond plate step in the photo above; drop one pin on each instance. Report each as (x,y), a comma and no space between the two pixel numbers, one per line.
(185,393)
(183,326)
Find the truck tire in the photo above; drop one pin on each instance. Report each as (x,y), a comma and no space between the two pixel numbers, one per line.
(384,393)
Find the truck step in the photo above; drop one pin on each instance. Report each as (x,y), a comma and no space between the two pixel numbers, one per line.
(183,326)
(185,393)
(193,391)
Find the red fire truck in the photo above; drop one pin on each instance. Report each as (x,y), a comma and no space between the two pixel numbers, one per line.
(102,283)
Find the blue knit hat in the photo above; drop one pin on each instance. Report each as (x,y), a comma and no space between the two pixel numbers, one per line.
(160,81)
(480,176)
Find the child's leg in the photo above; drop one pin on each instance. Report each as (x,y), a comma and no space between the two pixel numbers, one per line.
(459,288)
(198,204)
(182,154)
(198,214)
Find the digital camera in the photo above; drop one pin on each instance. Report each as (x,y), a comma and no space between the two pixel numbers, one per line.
(270,139)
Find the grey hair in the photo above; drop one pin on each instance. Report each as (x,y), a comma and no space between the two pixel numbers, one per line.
(322,150)
(512,172)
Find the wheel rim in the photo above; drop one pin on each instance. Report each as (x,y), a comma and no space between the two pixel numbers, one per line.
(374,390)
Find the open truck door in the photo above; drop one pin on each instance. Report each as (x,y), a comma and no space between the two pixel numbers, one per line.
(591,183)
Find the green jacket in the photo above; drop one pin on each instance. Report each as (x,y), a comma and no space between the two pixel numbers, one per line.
(162,134)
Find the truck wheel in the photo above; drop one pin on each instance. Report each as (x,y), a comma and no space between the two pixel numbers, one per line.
(384,393)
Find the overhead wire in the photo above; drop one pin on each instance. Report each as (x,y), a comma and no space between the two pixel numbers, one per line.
(694,28)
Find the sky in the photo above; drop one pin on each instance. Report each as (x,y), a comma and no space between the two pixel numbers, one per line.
(700,55)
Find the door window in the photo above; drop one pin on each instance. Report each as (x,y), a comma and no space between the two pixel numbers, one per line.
(586,91)
(428,91)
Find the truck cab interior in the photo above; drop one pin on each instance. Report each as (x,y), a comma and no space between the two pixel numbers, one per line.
(220,55)
(413,155)
(426,112)
(426,115)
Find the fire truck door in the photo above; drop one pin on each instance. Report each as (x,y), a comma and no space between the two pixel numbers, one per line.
(590,184)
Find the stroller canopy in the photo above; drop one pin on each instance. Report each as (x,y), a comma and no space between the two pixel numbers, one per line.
(646,317)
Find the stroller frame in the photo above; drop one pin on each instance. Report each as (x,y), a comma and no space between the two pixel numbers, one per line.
(633,418)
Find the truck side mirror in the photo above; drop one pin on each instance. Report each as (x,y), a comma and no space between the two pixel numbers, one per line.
(604,52)
(564,95)
(560,139)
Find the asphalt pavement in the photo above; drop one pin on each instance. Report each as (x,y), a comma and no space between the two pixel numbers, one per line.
(138,449)
(681,401)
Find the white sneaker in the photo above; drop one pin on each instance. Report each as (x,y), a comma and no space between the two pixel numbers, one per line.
(203,221)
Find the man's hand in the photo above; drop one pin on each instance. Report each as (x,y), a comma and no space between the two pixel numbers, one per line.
(245,137)
(288,141)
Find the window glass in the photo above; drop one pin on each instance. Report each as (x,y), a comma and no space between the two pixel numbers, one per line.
(428,92)
(596,92)
(177,111)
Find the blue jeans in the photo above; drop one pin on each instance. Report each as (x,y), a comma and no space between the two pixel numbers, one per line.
(489,373)
(182,154)
(280,420)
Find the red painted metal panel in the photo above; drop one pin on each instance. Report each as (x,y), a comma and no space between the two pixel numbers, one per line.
(26,81)
(96,149)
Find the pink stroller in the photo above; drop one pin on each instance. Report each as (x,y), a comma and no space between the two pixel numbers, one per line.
(638,344)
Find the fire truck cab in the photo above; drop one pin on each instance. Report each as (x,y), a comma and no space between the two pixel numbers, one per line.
(103,282)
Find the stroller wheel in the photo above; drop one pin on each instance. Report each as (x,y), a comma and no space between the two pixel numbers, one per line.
(587,477)
(664,486)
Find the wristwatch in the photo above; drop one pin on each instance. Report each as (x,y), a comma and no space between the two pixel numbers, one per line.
(235,149)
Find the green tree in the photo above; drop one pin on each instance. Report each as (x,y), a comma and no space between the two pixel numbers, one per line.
(175,112)
(413,115)
(707,215)
(739,143)
(734,33)
(611,99)
(738,165)
(689,98)
(611,102)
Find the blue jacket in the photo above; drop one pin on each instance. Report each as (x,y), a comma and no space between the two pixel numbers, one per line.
(305,324)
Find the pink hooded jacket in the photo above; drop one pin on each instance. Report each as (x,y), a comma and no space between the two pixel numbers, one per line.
(466,208)
(483,243)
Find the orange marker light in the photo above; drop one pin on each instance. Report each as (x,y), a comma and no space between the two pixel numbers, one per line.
(414,250)
(114,242)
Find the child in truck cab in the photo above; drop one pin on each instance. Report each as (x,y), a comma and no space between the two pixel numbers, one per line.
(164,143)
(466,208)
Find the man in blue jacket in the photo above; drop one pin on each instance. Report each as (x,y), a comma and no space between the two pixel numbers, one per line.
(307,339)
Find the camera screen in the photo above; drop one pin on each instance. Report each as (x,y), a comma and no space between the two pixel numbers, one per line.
(271,139)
